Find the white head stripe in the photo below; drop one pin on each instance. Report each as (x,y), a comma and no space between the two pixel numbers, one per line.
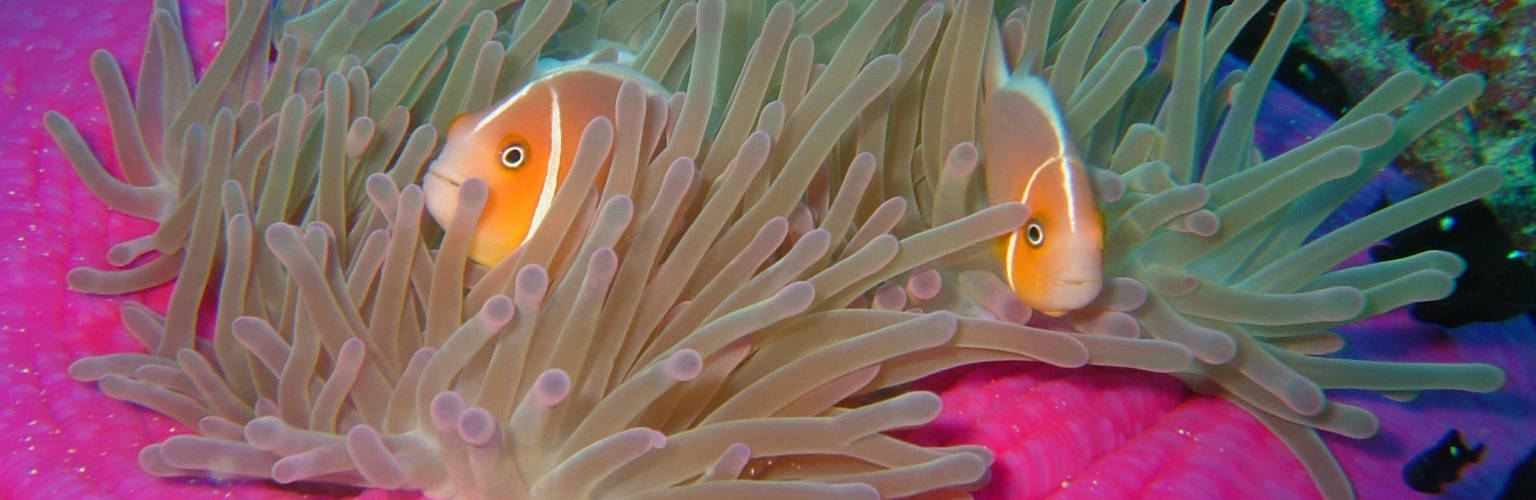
(1038,92)
(1068,177)
(1013,244)
(501,108)
(552,169)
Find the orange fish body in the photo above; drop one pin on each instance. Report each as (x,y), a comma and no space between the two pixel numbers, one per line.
(522,147)
(1054,262)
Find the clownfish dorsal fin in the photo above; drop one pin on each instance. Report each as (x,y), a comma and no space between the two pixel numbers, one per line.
(994,64)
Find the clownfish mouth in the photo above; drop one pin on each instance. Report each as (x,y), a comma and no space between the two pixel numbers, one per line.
(431,176)
(440,194)
(1083,279)
(1071,289)
(1070,281)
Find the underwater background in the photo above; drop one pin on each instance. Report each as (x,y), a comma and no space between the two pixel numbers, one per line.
(65,439)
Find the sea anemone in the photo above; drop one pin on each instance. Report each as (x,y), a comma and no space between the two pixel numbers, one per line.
(359,357)
(1208,244)
(735,311)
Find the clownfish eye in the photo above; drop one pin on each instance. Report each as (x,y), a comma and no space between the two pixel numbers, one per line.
(514,155)
(1034,233)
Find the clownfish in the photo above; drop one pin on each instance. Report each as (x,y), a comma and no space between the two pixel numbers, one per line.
(523,147)
(1054,262)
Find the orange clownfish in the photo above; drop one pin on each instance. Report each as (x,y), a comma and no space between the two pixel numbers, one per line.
(1054,262)
(522,147)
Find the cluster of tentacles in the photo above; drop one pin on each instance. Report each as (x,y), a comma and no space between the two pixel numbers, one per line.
(1208,244)
(736,308)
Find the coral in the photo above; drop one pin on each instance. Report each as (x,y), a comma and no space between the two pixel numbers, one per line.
(1439,40)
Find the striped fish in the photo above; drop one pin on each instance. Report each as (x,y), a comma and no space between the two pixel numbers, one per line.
(523,147)
(1054,262)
